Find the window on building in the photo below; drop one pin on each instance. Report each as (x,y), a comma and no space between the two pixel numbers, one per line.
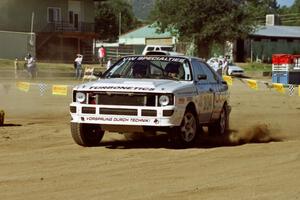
(71,17)
(54,14)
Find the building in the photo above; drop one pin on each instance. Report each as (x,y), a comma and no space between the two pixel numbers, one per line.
(267,40)
(270,40)
(146,35)
(53,30)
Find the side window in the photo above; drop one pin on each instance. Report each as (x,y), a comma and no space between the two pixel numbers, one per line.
(150,48)
(197,69)
(187,71)
(211,76)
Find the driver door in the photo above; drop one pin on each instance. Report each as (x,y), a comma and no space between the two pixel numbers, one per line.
(205,92)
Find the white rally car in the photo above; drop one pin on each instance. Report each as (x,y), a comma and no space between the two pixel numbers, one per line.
(140,94)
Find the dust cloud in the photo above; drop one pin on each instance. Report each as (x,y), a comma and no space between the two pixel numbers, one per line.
(259,133)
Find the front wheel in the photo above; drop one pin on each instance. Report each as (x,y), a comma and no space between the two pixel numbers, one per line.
(222,124)
(186,134)
(87,134)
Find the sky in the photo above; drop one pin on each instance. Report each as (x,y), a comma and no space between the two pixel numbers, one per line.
(285,2)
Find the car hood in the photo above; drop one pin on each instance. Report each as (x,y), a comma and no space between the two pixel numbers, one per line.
(136,85)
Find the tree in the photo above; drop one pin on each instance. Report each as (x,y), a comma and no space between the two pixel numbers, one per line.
(296,6)
(108,15)
(208,21)
(290,16)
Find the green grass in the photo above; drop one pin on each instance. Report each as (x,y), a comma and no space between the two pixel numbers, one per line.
(9,65)
(258,67)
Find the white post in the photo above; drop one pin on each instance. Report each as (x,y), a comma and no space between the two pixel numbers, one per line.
(32,19)
(120,24)
(31,40)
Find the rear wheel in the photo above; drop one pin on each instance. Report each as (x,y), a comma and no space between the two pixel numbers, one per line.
(222,124)
(186,134)
(87,134)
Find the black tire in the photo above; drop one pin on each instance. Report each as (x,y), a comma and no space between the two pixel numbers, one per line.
(87,135)
(221,126)
(187,133)
(1,118)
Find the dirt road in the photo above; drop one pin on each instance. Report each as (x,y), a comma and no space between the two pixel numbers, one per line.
(39,160)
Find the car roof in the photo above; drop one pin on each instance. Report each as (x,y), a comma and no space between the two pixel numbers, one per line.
(171,56)
(151,45)
(156,53)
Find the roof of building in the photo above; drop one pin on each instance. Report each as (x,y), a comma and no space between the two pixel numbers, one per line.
(147,31)
(278,31)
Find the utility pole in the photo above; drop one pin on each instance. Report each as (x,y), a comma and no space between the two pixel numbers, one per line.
(120,24)
(31,40)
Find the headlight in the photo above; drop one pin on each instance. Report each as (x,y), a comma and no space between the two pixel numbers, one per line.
(164,100)
(80,97)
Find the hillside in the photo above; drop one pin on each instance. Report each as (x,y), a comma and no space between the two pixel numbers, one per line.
(142,8)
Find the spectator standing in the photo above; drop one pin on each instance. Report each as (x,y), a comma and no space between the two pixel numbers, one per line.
(219,70)
(78,66)
(225,66)
(31,66)
(17,68)
(102,54)
(216,65)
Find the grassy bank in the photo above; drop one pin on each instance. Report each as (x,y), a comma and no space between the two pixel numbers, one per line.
(9,65)
(256,67)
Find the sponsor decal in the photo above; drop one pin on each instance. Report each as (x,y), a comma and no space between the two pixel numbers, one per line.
(122,88)
(154,58)
(117,119)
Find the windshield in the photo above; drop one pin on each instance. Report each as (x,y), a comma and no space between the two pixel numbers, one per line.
(151,67)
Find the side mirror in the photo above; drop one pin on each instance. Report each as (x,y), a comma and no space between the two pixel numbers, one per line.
(202,76)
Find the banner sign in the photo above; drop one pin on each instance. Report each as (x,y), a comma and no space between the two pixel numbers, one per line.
(60,90)
(23,86)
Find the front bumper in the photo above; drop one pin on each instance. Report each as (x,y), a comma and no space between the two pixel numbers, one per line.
(126,115)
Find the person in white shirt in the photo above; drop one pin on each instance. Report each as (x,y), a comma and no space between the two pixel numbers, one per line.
(78,66)
(31,66)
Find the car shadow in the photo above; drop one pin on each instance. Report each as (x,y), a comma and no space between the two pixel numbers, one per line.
(204,141)
(9,125)
(159,141)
